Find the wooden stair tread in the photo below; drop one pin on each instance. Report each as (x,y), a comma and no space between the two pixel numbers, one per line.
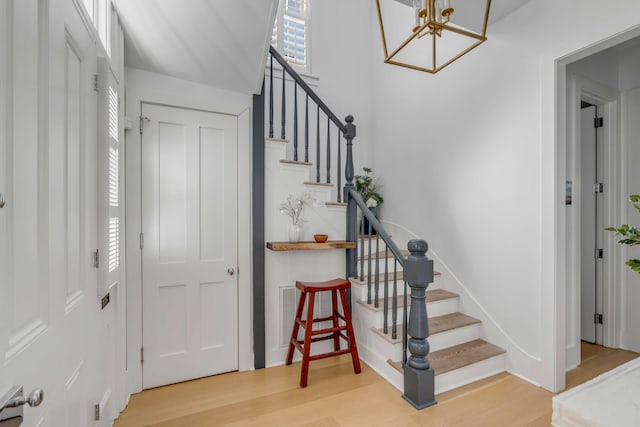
(365,280)
(458,356)
(432,296)
(319,184)
(448,322)
(462,355)
(294,162)
(381,255)
(335,204)
(285,141)
(437,324)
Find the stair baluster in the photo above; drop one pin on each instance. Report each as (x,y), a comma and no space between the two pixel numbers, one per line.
(295,121)
(377,269)
(362,249)
(339,170)
(368,263)
(283,133)
(271,96)
(328,151)
(394,303)
(306,130)
(318,144)
(385,326)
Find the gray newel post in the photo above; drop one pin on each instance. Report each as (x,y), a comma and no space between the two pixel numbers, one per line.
(418,375)
(352,207)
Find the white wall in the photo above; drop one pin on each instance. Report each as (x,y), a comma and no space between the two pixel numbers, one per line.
(341,58)
(144,86)
(473,150)
(629,64)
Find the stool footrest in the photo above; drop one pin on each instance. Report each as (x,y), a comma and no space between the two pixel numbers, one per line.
(328,318)
(303,323)
(327,337)
(330,354)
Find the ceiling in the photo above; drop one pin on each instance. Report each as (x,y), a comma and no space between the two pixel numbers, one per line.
(221,43)
(499,8)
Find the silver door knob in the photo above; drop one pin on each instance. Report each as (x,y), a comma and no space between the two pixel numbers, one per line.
(1,201)
(32,399)
(230,270)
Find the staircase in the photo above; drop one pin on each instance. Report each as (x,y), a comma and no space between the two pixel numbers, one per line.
(458,352)
(380,299)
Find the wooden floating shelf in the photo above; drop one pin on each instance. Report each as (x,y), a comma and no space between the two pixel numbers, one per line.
(310,246)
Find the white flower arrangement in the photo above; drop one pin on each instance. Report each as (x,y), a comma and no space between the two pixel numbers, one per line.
(294,205)
(371,202)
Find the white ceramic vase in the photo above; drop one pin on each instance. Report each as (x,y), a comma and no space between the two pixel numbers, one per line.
(295,233)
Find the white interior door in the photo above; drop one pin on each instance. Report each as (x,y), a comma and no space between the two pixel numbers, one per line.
(189,211)
(591,227)
(48,305)
(24,291)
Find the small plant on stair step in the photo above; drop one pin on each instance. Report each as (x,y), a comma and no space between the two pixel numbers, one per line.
(369,188)
(631,235)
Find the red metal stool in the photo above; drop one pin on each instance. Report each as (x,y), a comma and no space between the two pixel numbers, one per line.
(334,332)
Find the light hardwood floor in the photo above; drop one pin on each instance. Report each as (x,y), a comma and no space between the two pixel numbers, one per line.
(337,397)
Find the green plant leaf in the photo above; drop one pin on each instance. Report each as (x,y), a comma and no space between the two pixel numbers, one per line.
(634,265)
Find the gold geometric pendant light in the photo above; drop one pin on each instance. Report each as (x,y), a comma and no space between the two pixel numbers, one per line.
(428,35)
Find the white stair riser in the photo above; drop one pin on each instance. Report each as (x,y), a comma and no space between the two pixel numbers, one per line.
(384,347)
(469,374)
(437,341)
(437,308)
(453,337)
(381,265)
(361,290)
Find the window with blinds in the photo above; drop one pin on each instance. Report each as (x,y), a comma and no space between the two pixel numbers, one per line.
(110,215)
(291,32)
(113,184)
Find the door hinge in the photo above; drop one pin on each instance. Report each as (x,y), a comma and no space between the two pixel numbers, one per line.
(141,241)
(141,355)
(142,120)
(95,83)
(598,319)
(598,253)
(598,122)
(96,412)
(598,187)
(96,259)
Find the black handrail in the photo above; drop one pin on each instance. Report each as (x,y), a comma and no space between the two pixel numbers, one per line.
(294,75)
(375,224)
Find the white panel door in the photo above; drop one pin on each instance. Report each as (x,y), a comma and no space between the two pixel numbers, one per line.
(24,291)
(47,60)
(591,227)
(189,211)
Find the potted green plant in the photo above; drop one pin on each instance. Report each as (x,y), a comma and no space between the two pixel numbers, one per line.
(369,189)
(630,235)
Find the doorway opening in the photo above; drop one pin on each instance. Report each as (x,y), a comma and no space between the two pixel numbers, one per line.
(599,96)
